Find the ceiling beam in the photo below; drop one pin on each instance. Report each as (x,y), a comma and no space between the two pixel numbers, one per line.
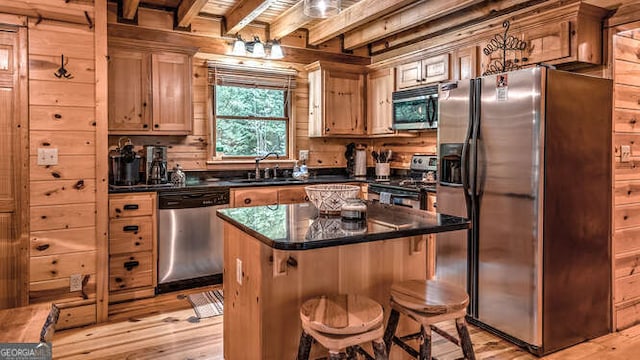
(219,46)
(244,13)
(129,8)
(466,17)
(289,21)
(187,11)
(409,17)
(352,17)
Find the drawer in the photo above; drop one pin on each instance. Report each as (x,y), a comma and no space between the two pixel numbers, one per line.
(255,197)
(130,234)
(130,271)
(131,205)
(292,195)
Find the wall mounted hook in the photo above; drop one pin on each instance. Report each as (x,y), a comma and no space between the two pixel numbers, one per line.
(62,72)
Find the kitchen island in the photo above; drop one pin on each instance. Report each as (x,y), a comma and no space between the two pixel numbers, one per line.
(276,257)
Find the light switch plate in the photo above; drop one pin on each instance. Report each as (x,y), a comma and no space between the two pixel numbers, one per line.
(625,153)
(47,156)
(75,282)
(239,271)
(303,155)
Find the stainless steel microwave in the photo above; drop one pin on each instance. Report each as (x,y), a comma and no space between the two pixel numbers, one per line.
(416,109)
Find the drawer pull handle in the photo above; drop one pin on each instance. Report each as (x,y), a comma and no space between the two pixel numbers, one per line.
(131,207)
(130,228)
(129,265)
(247,201)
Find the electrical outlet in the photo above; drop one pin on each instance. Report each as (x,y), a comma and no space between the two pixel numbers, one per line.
(303,155)
(75,282)
(47,156)
(239,271)
(625,153)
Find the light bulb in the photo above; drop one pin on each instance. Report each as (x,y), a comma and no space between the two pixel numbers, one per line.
(258,49)
(239,48)
(276,51)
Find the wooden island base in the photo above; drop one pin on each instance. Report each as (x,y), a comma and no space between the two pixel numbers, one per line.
(262,314)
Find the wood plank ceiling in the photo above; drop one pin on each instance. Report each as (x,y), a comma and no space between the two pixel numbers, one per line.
(384,24)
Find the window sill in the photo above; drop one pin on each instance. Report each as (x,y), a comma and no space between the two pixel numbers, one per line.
(250,163)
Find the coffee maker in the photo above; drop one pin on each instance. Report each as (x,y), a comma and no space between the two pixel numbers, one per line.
(124,164)
(156,164)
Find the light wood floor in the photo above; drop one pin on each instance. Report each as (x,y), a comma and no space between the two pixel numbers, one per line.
(166,327)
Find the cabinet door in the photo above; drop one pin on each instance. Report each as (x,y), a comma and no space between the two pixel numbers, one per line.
(379,113)
(171,76)
(254,197)
(465,63)
(409,74)
(129,109)
(343,103)
(547,43)
(435,69)
(316,125)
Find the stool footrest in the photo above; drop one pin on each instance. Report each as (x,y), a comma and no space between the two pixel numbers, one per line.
(410,336)
(364,353)
(445,335)
(411,351)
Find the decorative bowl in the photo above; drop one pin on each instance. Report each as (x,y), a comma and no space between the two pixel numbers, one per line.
(329,198)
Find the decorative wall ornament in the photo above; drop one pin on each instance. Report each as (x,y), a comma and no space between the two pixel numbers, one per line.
(62,72)
(507,44)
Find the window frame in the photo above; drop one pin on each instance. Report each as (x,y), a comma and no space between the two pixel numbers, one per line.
(285,78)
(287,120)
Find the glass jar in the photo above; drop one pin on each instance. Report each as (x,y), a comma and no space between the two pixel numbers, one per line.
(353,210)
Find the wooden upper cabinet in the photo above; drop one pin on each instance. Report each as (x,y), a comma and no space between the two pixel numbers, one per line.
(379,106)
(171,92)
(149,92)
(465,63)
(129,108)
(336,100)
(422,72)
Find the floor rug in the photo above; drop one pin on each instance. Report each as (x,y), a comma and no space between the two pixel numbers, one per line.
(207,304)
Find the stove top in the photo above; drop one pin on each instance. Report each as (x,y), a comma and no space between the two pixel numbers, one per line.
(422,176)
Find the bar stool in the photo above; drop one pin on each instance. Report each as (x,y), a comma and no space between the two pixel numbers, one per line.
(428,302)
(341,322)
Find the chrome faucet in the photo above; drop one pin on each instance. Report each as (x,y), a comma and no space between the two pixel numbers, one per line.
(262,158)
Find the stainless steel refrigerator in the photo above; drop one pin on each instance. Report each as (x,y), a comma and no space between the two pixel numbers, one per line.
(526,155)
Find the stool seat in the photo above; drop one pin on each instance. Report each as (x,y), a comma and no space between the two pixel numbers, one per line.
(341,314)
(430,296)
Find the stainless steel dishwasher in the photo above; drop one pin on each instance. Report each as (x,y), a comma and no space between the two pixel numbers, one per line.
(190,238)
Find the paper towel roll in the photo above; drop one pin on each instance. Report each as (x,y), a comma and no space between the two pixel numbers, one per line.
(361,164)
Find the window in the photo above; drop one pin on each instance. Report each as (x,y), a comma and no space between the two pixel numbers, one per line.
(251,110)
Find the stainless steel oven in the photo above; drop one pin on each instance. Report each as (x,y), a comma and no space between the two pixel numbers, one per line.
(415,109)
(395,196)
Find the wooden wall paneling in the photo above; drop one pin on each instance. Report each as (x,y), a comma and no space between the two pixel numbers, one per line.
(62,10)
(627,288)
(62,192)
(627,192)
(626,314)
(627,97)
(627,266)
(67,168)
(67,142)
(102,166)
(627,216)
(71,317)
(627,73)
(58,290)
(42,67)
(626,120)
(58,216)
(69,118)
(65,94)
(52,38)
(627,240)
(63,265)
(56,242)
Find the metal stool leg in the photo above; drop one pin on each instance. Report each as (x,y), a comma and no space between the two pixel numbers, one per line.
(390,331)
(425,343)
(465,339)
(304,348)
(352,354)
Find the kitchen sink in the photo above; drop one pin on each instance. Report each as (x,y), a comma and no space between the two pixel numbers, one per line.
(266,181)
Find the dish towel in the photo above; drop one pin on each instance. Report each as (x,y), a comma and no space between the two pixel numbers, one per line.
(385,197)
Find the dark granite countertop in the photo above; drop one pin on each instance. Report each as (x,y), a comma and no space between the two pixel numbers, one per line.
(300,227)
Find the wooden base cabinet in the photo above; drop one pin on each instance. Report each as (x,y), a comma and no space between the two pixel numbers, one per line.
(149,92)
(132,246)
(336,99)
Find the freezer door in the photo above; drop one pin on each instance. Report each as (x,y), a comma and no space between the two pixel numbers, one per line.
(509,198)
(452,247)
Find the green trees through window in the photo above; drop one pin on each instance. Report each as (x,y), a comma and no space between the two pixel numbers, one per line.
(250,121)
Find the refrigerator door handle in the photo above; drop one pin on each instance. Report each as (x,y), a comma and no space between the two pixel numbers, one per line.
(477,95)
(465,169)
